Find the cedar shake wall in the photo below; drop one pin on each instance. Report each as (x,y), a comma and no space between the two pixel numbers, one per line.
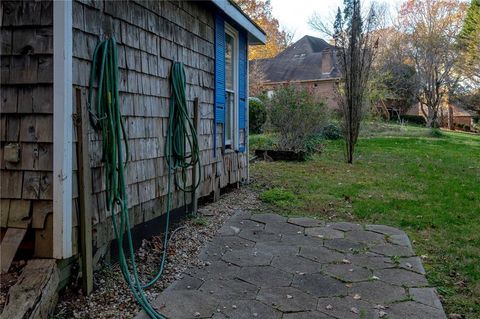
(150,35)
(26,121)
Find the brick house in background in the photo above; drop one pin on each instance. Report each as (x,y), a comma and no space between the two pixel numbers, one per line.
(310,63)
(449,116)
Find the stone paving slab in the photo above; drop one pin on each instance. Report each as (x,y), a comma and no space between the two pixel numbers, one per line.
(268,266)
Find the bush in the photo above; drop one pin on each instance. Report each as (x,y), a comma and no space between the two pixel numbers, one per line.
(414,119)
(436,133)
(476,127)
(262,141)
(313,144)
(257,115)
(296,116)
(332,131)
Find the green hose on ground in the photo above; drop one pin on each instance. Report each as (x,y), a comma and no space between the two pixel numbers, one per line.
(105,116)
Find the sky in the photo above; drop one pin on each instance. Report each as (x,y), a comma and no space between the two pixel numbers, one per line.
(294,14)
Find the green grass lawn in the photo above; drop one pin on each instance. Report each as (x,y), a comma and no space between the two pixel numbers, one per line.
(425,183)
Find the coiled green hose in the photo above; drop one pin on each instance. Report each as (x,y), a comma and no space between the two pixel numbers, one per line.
(105,116)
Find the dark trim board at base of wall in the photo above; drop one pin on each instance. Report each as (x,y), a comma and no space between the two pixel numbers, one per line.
(156,226)
(108,254)
(153,227)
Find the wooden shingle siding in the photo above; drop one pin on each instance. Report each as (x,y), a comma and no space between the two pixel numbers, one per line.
(151,35)
(26,120)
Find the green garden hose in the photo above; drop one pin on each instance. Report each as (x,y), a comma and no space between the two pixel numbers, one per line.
(178,160)
(106,116)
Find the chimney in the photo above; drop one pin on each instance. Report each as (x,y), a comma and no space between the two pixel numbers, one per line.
(327,61)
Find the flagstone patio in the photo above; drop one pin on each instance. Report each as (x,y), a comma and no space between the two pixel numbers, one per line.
(268,266)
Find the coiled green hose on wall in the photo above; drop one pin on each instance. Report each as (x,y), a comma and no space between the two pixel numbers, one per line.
(181,154)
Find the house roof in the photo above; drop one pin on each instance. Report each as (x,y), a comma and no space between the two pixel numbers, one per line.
(458,111)
(255,34)
(309,58)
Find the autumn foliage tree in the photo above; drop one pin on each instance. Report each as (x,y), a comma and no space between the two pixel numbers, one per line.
(277,38)
(469,42)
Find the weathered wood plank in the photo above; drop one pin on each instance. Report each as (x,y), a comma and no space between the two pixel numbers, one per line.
(19,213)
(11,184)
(40,211)
(36,128)
(37,185)
(23,69)
(32,41)
(22,13)
(3,124)
(85,194)
(12,128)
(78,19)
(195,171)
(4,210)
(35,293)
(46,185)
(38,99)
(47,13)
(9,99)
(45,69)
(31,185)
(44,239)
(9,246)
(6,41)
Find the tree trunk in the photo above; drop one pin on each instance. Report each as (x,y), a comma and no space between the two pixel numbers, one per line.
(431,116)
(350,151)
(450,118)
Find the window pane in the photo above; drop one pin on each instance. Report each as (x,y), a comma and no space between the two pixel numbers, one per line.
(229,117)
(229,62)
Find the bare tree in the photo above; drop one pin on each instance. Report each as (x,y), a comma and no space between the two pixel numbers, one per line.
(356,43)
(256,77)
(431,29)
(278,38)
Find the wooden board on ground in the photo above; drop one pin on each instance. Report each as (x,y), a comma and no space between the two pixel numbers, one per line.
(85,188)
(12,239)
(35,293)
(195,171)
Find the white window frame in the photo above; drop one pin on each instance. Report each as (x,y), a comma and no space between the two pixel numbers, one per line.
(233,144)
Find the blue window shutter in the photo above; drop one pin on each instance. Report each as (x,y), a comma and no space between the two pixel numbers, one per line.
(219,69)
(219,76)
(242,89)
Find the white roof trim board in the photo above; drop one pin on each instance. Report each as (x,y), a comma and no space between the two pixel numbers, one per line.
(255,34)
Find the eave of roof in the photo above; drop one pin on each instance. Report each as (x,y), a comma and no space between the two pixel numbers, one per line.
(255,34)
